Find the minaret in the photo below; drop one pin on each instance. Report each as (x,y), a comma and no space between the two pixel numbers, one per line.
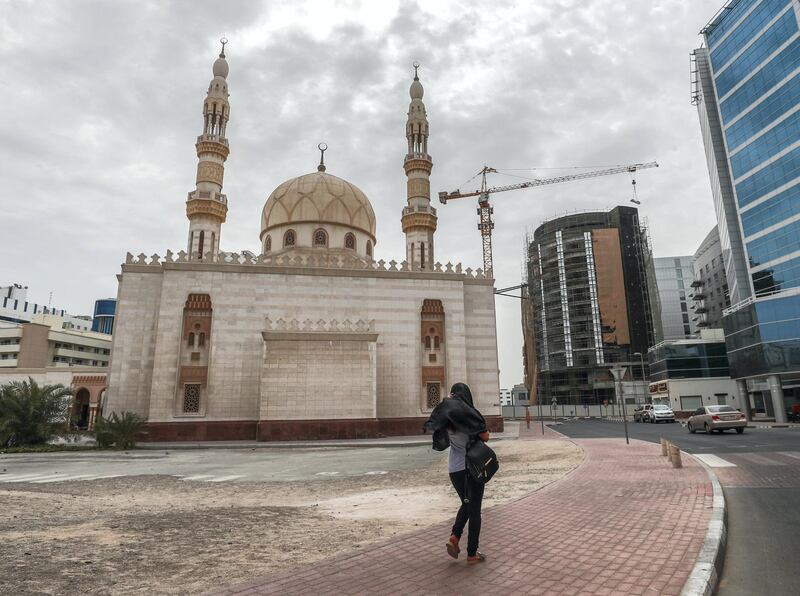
(419,218)
(206,206)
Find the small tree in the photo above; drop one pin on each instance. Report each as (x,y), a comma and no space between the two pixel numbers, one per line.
(31,413)
(119,431)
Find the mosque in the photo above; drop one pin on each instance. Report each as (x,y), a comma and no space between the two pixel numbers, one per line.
(312,338)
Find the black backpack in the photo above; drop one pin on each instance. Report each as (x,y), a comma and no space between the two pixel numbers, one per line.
(481,461)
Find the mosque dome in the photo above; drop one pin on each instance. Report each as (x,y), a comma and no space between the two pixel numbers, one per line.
(304,210)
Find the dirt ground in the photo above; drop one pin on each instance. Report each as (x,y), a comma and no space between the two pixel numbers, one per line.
(161,535)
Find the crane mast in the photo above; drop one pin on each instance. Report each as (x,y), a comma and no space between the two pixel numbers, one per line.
(485,210)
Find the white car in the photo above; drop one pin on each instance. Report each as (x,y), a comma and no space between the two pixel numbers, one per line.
(660,413)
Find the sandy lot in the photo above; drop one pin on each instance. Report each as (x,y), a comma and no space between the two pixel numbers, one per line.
(161,535)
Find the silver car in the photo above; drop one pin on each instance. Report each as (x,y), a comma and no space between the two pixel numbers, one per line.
(719,418)
(661,413)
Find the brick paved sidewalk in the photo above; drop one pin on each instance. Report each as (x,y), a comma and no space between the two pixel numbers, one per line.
(624,522)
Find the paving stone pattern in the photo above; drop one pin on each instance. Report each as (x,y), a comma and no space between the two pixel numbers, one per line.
(624,522)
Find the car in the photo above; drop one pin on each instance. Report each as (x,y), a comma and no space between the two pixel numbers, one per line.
(640,412)
(660,413)
(716,418)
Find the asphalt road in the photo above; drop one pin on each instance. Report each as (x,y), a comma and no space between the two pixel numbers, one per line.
(214,465)
(760,476)
(752,440)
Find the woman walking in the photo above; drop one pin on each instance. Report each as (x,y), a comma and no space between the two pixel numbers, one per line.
(456,422)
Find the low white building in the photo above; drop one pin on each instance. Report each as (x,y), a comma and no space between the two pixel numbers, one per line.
(15,308)
(505,397)
(44,351)
(689,373)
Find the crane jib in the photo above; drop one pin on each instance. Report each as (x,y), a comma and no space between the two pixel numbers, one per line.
(484,212)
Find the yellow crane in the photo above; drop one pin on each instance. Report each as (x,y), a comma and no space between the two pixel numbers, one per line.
(485,210)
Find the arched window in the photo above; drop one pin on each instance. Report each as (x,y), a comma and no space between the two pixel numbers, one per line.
(201,340)
(289,238)
(268,243)
(320,237)
(200,245)
(369,248)
(427,342)
(350,241)
(435,342)
(191,340)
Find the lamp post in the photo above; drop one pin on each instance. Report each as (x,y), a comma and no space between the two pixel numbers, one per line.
(641,361)
(619,373)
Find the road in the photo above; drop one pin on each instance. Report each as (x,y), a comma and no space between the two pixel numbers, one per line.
(214,465)
(760,476)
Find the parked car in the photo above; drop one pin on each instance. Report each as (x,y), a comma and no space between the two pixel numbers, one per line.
(719,418)
(660,413)
(640,412)
(793,415)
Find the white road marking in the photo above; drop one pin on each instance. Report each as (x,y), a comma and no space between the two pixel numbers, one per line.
(375,473)
(226,478)
(714,461)
(326,474)
(21,477)
(760,459)
(200,477)
(794,454)
(60,479)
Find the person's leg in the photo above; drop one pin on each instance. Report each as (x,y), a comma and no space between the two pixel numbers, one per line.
(459,483)
(474,511)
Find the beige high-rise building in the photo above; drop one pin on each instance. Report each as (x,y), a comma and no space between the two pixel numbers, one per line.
(313,338)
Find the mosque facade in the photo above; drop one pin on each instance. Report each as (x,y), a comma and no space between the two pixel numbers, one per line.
(313,338)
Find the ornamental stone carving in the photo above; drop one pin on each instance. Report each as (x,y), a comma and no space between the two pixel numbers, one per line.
(419,187)
(415,163)
(418,220)
(207,207)
(208,171)
(212,147)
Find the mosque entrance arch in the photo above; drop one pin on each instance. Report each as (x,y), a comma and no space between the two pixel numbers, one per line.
(80,409)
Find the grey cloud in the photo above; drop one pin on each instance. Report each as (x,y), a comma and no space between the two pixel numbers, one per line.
(106,99)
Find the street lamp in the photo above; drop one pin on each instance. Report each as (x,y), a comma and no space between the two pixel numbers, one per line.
(641,361)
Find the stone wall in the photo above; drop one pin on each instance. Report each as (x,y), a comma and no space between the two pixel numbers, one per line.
(318,375)
(144,365)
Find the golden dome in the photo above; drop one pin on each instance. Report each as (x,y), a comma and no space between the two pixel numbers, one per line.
(318,198)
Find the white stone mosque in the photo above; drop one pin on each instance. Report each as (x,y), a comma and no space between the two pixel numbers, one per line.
(312,338)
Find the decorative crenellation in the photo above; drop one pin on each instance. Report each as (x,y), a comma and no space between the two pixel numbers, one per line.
(320,326)
(323,261)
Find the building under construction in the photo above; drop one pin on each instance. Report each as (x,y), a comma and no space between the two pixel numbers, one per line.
(591,303)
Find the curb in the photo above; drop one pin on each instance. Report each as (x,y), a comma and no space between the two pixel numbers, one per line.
(409,441)
(706,572)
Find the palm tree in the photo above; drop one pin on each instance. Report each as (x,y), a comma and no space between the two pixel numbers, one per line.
(31,413)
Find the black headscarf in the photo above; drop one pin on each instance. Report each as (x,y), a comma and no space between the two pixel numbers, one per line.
(461,391)
(458,413)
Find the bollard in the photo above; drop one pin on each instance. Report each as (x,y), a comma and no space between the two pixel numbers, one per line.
(669,450)
(664,447)
(676,456)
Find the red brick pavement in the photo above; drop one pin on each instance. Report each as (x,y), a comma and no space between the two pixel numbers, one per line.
(624,522)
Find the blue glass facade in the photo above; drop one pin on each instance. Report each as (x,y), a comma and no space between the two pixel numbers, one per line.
(754,50)
(104,311)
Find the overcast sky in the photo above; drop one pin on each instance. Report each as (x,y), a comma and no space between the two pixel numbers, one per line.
(102,103)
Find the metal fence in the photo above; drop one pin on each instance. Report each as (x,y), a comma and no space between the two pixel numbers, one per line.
(567,410)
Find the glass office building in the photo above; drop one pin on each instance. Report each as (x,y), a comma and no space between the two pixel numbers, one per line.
(674,276)
(746,85)
(104,312)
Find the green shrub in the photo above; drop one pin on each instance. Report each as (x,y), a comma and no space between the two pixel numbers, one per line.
(118,431)
(30,413)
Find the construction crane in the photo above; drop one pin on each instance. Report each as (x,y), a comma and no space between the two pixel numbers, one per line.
(485,210)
